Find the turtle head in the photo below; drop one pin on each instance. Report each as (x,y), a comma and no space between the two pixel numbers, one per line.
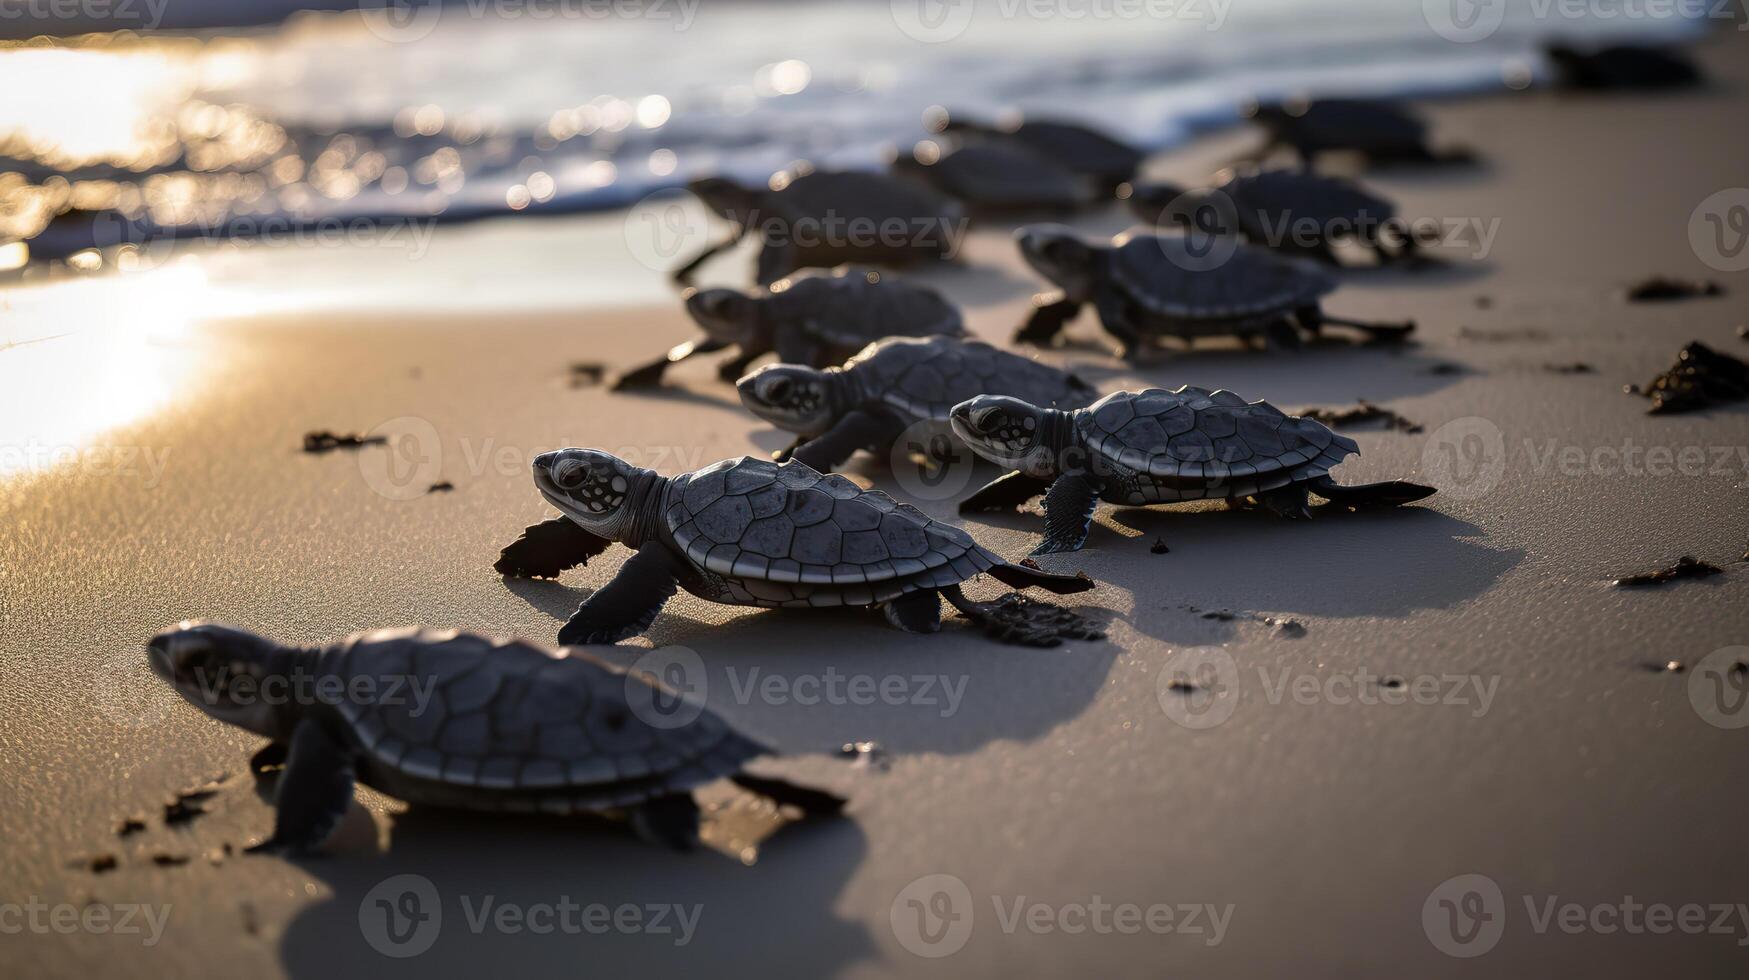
(220,670)
(729,199)
(599,491)
(725,315)
(1010,432)
(1061,255)
(795,397)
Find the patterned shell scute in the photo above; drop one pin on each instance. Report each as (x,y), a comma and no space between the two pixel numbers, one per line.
(1164,275)
(1197,435)
(1300,196)
(925,379)
(855,307)
(500,715)
(802,526)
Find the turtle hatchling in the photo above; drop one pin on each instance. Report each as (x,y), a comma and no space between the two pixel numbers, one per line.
(1155,447)
(816,320)
(1097,156)
(892,386)
(1383,131)
(1291,211)
(751,532)
(461,721)
(995,178)
(822,219)
(1146,286)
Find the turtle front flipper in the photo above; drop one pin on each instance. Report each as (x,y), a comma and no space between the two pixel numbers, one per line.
(1004,493)
(1117,319)
(627,605)
(314,792)
(858,429)
(650,375)
(683,275)
(1049,316)
(732,369)
(1388,494)
(548,548)
(1068,514)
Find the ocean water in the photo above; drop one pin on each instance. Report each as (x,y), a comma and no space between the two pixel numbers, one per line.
(481,108)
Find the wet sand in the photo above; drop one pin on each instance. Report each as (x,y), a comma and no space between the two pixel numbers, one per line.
(1556,764)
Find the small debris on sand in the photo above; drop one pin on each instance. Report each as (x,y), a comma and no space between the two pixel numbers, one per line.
(186,805)
(1667,667)
(1484,302)
(129,826)
(1014,618)
(441,486)
(1291,629)
(1181,686)
(1159,546)
(1391,683)
(1700,378)
(98,863)
(1687,566)
(1221,615)
(1444,368)
(1502,335)
(1743,331)
(1363,413)
(251,921)
(587,374)
(323,441)
(164,859)
(868,755)
(1577,367)
(1660,289)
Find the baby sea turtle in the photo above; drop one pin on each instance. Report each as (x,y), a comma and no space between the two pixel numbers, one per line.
(1106,161)
(1623,67)
(1155,447)
(1383,131)
(822,219)
(1148,285)
(1293,211)
(457,720)
(891,386)
(751,532)
(811,319)
(996,178)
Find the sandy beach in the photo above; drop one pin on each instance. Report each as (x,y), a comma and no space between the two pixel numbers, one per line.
(1299,817)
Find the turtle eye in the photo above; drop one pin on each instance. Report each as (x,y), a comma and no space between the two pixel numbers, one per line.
(986,419)
(570,474)
(777,390)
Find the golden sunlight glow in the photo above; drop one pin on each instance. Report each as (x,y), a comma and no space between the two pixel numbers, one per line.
(81,356)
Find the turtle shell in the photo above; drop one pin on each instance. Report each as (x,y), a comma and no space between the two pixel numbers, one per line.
(1083,150)
(1163,275)
(1361,124)
(850,308)
(855,196)
(1270,195)
(925,379)
(771,534)
(463,720)
(997,175)
(1206,443)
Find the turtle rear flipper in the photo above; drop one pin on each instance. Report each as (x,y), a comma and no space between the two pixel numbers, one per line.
(313,793)
(1388,494)
(1013,618)
(548,548)
(667,821)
